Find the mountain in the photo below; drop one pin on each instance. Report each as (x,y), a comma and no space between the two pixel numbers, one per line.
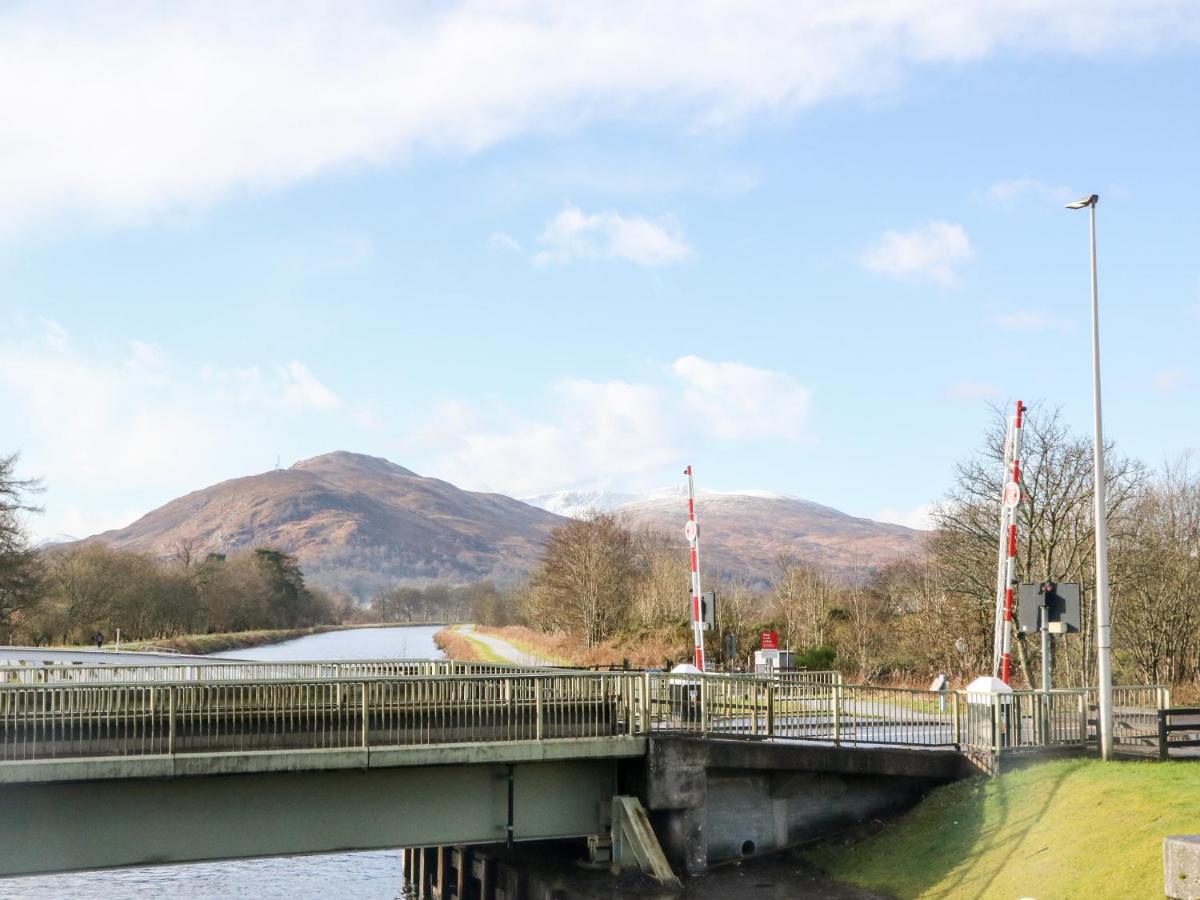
(354,522)
(743,533)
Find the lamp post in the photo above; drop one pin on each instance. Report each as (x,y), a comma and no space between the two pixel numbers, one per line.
(1103,639)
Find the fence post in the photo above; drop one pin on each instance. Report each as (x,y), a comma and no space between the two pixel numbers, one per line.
(1083,717)
(956,728)
(754,707)
(1162,735)
(771,708)
(171,719)
(703,704)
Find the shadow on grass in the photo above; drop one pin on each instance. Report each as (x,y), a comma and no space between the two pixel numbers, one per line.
(955,843)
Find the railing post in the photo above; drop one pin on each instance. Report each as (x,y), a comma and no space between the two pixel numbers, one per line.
(539,707)
(704,704)
(362,686)
(645,703)
(837,713)
(1162,735)
(629,691)
(1083,717)
(996,726)
(771,708)
(956,728)
(754,707)
(171,719)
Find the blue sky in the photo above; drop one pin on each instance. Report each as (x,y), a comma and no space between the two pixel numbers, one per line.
(526,246)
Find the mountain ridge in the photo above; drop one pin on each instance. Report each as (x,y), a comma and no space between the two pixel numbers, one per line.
(359,523)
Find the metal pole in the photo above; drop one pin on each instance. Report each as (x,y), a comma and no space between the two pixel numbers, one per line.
(1103,645)
(1044,615)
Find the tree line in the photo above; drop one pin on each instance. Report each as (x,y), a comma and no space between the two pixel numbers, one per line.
(69,594)
(601,580)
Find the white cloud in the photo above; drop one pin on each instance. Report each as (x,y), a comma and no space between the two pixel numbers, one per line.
(973,390)
(598,432)
(1168,380)
(119,112)
(301,390)
(1009,194)
(573,235)
(932,251)
(736,401)
(920,517)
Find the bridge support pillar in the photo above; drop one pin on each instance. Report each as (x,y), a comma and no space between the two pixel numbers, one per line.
(674,790)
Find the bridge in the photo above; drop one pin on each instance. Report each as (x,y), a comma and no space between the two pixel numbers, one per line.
(117,765)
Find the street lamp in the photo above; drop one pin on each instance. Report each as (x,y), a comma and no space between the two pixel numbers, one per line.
(1103,640)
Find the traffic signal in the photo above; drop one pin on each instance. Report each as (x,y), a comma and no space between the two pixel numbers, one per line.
(708,610)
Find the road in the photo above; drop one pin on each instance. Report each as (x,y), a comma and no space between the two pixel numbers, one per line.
(503,648)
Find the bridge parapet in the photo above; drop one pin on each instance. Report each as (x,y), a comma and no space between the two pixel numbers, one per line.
(341,707)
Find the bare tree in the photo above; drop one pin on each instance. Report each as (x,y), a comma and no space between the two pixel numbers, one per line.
(585,581)
(1156,607)
(1055,522)
(806,599)
(20,564)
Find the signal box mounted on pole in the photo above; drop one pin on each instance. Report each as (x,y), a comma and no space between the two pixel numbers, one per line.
(1061,600)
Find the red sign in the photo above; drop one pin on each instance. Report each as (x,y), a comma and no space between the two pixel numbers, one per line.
(768,640)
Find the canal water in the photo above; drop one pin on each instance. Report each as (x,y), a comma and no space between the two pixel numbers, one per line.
(374,875)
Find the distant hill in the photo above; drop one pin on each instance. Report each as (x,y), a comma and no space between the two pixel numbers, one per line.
(742,534)
(354,522)
(358,523)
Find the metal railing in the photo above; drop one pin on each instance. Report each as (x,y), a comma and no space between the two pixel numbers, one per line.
(353,705)
(92,673)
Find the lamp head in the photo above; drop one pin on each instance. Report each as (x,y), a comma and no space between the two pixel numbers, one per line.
(1084,202)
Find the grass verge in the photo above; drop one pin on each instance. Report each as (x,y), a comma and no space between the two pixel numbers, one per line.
(461,646)
(200,644)
(1064,829)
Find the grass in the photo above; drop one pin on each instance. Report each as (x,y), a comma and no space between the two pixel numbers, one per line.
(1064,829)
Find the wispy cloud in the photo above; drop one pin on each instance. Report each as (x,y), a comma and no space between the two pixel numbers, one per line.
(199,102)
(102,424)
(737,401)
(1012,193)
(1167,380)
(575,235)
(1030,320)
(597,431)
(931,252)
(973,390)
(920,517)
(501,241)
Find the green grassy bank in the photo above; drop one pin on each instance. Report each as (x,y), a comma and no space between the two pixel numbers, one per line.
(1065,829)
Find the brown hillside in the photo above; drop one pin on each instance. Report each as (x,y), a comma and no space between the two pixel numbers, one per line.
(354,522)
(743,534)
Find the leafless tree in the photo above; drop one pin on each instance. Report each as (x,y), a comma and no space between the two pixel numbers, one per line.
(586,578)
(1055,522)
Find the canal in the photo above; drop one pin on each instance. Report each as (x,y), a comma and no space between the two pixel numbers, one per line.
(373,875)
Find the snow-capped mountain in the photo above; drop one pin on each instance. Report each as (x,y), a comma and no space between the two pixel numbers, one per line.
(744,532)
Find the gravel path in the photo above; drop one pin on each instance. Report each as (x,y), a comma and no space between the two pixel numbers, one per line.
(503,648)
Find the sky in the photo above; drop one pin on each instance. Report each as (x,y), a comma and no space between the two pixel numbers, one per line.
(531,246)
